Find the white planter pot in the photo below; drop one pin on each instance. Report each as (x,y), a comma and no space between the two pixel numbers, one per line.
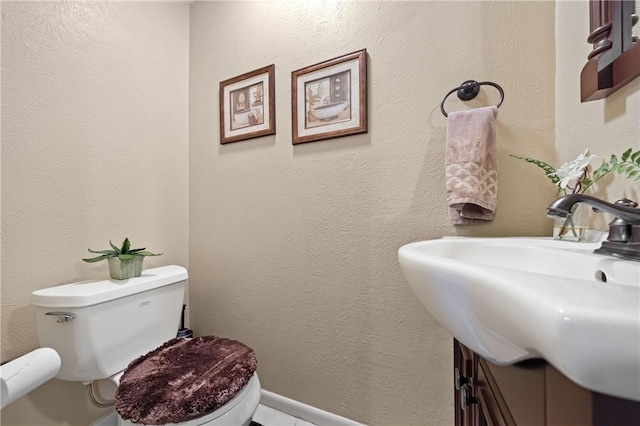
(123,269)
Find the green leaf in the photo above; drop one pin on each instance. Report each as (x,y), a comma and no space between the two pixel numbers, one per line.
(632,170)
(98,258)
(601,171)
(103,251)
(548,169)
(126,245)
(626,154)
(123,253)
(636,157)
(614,160)
(116,249)
(147,253)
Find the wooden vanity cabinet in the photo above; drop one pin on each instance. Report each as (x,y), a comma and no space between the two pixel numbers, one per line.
(530,393)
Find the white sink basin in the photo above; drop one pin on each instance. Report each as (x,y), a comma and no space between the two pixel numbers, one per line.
(511,299)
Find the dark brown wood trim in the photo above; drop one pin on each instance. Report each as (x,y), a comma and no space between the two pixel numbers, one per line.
(457,363)
(598,84)
(614,60)
(486,408)
(485,373)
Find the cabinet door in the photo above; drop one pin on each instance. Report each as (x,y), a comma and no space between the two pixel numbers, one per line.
(492,408)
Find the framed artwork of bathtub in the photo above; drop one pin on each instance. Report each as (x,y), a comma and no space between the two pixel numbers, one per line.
(247,106)
(329,99)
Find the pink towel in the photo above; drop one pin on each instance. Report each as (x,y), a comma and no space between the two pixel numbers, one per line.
(472,166)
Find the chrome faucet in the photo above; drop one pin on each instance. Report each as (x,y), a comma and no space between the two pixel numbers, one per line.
(624,232)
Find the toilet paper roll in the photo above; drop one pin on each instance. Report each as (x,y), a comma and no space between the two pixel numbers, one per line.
(22,375)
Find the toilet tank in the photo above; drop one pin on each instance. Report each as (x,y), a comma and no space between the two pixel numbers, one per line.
(98,327)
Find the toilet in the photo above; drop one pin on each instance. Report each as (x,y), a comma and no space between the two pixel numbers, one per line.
(99,327)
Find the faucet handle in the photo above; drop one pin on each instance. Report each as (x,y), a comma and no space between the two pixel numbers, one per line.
(625,202)
(620,229)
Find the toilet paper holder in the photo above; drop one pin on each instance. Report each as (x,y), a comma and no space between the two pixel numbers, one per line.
(21,375)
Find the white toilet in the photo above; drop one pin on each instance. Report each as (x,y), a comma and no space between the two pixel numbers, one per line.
(99,327)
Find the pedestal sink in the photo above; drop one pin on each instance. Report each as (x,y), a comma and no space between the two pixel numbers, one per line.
(511,299)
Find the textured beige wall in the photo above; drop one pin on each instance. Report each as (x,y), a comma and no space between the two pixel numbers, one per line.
(293,249)
(94,147)
(608,126)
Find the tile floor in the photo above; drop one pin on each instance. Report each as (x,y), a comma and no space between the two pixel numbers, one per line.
(268,416)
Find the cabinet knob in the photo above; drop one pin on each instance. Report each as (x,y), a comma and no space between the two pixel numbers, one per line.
(462,380)
(466,399)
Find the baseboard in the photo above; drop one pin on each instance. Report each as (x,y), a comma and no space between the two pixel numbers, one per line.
(303,411)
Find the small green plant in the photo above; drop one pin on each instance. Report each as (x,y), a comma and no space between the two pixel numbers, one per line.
(123,253)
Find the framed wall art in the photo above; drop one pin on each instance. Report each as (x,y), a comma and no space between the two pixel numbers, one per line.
(247,106)
(329,99)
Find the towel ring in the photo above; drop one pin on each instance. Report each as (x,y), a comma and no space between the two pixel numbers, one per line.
(469,90)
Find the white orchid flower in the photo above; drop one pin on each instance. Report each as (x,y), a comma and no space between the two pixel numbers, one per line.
(571,173)
(576,175)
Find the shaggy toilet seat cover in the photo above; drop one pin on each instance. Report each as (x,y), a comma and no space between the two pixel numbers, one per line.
(184,379)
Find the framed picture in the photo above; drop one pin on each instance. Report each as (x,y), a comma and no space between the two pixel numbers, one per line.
(247,106)
(329,99)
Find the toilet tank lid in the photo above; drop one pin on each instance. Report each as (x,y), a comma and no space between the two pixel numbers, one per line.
(87,293)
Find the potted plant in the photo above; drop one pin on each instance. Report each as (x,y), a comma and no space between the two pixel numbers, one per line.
(124,262)
(575,177)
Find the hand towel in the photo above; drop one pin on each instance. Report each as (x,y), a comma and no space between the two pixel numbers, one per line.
(472,166)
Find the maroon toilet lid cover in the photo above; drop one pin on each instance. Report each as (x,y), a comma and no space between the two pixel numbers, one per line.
(184,379)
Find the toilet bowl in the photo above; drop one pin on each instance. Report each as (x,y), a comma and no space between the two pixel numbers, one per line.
(99,327)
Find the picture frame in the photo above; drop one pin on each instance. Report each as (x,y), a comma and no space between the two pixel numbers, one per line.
(329,99)
(247,105)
